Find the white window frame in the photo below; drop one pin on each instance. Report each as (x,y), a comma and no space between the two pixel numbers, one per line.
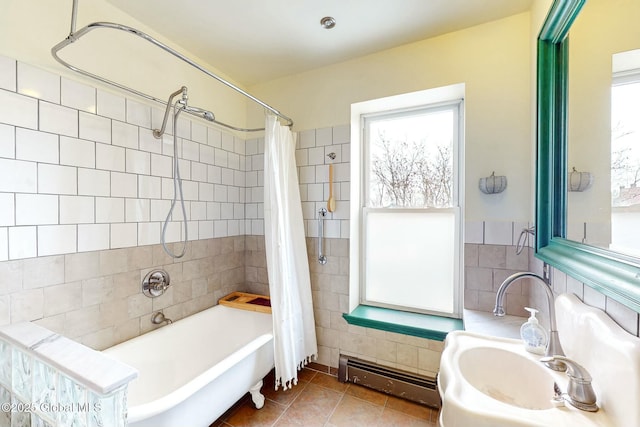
(424,100)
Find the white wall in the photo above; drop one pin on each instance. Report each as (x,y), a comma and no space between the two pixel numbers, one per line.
(493,60)
(29,28)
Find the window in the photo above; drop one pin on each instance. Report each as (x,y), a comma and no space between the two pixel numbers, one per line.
(408,215)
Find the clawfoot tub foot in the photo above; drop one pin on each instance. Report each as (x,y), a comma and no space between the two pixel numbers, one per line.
(256,396)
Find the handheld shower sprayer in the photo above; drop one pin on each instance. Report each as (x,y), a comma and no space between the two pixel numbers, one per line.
(207,115)
(179,106)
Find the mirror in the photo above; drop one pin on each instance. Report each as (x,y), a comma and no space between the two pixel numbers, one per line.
(603,132)
(574,82)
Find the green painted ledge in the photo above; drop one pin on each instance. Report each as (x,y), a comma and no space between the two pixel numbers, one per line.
(401,322)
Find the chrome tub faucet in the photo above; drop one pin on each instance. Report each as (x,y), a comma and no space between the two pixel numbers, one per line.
(159,318)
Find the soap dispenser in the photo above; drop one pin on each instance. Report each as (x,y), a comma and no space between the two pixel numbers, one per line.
(534,336)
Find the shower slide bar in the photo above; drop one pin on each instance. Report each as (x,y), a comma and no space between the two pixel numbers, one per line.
(76,35)
(322,258)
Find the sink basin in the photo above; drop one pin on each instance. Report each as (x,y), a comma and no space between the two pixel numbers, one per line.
(508,377)
(489,381)
(493,382)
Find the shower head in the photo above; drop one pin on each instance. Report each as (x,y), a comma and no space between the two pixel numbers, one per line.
(207,115)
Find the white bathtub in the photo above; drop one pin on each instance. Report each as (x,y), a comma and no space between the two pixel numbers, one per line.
(193,370)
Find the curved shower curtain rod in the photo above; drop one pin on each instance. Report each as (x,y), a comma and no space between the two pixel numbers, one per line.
(76,35)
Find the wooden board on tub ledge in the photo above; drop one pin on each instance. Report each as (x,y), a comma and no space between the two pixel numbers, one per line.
(246,301)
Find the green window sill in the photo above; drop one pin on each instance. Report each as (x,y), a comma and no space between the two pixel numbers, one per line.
(401,322)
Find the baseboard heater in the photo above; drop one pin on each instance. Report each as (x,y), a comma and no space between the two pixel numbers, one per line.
(391,381)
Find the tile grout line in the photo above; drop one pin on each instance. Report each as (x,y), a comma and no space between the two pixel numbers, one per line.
(275,422)
(335,407)
(288,406)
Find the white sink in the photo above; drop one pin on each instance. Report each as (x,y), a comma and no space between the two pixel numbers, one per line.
(486,368)
(490,381)
(493,382)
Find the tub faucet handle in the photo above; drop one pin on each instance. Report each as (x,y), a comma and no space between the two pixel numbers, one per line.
(155,283)
(158,283)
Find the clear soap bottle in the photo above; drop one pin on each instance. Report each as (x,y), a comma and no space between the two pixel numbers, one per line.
(534,336)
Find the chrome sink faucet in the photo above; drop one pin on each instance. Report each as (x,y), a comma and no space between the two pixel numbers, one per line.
(580,392)
(554,348)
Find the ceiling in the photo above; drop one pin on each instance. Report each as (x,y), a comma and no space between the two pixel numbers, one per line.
(256,41)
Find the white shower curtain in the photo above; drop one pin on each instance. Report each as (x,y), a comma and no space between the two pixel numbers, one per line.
(287,262)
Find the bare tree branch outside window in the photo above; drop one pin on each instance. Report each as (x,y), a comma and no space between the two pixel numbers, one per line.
(625,170)
(625,146)
(411,171)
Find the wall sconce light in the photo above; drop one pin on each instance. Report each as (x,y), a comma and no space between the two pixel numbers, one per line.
(493,184)
(579,181)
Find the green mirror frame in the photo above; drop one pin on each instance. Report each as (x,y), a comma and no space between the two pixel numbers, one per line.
(613,274)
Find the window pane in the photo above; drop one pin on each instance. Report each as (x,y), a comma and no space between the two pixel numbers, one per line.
(411,160)
(625,168)
(410,259)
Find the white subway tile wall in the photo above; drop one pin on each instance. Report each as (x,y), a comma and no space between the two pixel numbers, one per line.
(78,95)
(18,110)
(95,128)
(7,216)
(57,119)
(7,73)
(22,242)
(36,146)
(4,255)
(474,232)
(62,164)
(314,149)
(38,83)
(498,233)
(110,105)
